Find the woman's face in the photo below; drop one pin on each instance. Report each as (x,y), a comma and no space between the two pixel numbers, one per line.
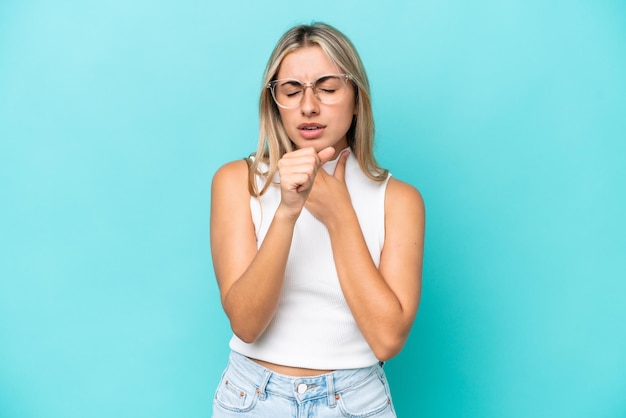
(313,123)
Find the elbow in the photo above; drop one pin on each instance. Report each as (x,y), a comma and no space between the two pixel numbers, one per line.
(386,354)
(248,336)
(248,339)
(388,348)
(246,332)
(245,329)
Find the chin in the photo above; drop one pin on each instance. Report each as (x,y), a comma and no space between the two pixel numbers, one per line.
(315,143)
(319,144)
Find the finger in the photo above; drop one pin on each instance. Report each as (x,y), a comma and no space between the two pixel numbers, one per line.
(326,154)
(296,181)
(340,170)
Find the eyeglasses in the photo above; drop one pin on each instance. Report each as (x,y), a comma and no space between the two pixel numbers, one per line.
(329,89)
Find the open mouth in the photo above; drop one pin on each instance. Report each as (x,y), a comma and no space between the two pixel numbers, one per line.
(311,130)
(310,126)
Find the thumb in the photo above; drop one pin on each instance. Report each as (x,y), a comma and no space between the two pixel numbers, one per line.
(340,170)
(326,154)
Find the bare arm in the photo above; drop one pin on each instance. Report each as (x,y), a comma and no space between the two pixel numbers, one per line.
(250,281)
(383,301)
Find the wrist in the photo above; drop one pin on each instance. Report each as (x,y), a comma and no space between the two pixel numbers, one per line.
(286,214)
(341,221)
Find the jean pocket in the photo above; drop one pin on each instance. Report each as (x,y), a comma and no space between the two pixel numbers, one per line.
(235,393)
(366,399)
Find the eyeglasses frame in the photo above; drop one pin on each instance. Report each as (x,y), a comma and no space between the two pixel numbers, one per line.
(310,84)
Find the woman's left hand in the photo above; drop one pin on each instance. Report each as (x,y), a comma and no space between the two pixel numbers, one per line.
(383,298)
(329,197)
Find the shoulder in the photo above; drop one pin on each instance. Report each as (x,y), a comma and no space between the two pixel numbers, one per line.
(231,179)
(402,197)
(401,192)
(232,172)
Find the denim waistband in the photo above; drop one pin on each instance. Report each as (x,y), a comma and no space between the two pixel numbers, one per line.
(301,389)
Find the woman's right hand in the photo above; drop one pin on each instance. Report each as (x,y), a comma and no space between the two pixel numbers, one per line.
(297,170)
(250,278)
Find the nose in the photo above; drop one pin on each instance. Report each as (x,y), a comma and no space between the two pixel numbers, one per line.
(310,103)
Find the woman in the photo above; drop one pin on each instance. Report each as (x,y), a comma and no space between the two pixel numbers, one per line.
(317,250)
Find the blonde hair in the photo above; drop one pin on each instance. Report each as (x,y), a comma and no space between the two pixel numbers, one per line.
(274,142)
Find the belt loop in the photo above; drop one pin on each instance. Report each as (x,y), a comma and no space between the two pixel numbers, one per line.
(266,379)
(379,370)
(330,387)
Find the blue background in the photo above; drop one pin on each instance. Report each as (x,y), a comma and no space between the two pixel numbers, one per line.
(509,116)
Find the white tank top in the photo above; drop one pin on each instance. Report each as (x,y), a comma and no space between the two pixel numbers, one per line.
(313,326)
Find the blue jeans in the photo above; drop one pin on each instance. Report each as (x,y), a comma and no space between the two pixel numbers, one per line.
(251,390)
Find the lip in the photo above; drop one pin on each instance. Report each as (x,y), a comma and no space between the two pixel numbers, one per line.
(311,130)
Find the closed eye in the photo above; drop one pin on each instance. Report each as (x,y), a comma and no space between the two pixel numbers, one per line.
(290,88)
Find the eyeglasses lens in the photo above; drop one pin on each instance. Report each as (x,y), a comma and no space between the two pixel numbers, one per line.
(329,89)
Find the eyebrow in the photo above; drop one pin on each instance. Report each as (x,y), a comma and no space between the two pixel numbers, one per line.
(286,81)
(292,80)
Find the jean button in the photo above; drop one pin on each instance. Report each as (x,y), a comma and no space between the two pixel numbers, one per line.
(302,388)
